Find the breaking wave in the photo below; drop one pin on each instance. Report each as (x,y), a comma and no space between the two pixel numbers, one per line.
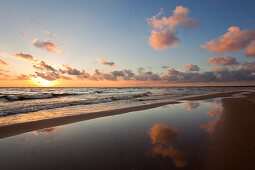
(64,104)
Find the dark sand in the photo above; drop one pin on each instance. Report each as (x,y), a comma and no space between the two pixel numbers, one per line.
(232,144)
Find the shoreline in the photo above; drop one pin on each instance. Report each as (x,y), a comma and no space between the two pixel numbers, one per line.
(19,128)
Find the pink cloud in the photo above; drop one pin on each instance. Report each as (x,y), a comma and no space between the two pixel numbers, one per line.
(48,45)
(232,41)
(164,30)
(179,17)
(3,62)
(223,60)
(25,56)
(172,70)
(219,69)
(191,67)
(250,50)
(112,64)
(163,39)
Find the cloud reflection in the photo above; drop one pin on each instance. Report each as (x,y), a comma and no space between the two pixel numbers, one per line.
(190,105)
(164,141)
(49,132)
(209,126)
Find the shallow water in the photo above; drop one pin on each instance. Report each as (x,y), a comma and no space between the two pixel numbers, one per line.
(169,137)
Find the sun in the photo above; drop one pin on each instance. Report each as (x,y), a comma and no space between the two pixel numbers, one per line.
(43,82)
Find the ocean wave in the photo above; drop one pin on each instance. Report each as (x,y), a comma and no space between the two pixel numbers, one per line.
(66,104)
(19,97)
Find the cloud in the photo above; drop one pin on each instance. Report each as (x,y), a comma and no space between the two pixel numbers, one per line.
(236,73)
(191,67)
(224,60)
(246,73)
(163,39)
(48,45)
(140,69)
(43,66)
(164,30)
(164,67)
(232,41)
(72,71)
(51,76)
(175,76)
(50,34)
(50,73)
(219,69)
(250,50)
(113,75)
(147,76)
(112,64)
(25,56)
(179,18)
(3,62)
(3,76)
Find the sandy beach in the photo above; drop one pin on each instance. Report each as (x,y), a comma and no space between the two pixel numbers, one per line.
(204,132)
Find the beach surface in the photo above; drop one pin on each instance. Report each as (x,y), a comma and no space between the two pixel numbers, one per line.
(200,132)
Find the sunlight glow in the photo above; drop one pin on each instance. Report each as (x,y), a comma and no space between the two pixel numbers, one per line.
(43,82)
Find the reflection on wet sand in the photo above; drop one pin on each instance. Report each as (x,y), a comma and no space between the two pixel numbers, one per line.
(50,132)
(232,140)
(215,113)
(164,140)
(190,105)
(209,126)
(47,131)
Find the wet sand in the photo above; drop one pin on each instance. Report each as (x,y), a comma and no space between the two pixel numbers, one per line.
(232,144)
(201,133)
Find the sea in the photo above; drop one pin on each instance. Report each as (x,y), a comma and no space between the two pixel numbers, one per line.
(22,104)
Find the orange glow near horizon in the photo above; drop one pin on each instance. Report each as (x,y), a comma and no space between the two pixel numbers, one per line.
(43,82)
(40,82)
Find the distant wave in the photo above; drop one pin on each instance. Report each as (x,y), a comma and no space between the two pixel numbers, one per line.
(66,104)
(20,97)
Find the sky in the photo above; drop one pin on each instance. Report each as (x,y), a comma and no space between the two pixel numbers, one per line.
(127,43)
